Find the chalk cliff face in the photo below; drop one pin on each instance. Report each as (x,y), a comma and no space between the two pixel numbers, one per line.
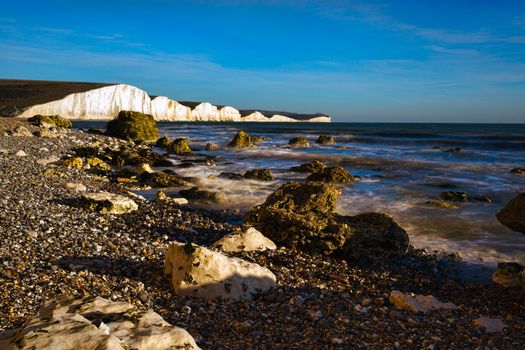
(106,102)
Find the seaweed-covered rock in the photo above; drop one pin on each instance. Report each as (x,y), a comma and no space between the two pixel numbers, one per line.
(97,163)
(335,174)
(310,167)
(163,142)
(454,196)
(211,147)
(163,179)
(297,142)
(133,125)
(50,121)
(179,146)
(325,140)
(513,215)
(242,140)
(518,170)
(74,163)
(202,195)
(108,203)
(259,174)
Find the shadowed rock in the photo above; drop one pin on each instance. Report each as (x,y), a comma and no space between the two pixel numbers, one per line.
(298,142)
(513,215)
(510,274)
(325,140)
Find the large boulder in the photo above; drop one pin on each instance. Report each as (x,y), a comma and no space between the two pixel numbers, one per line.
(179,146)
(108,203)
(201,272)
(96,323)
(310,167)
(259,174)
(50,121)
(298,142)
(242,140)
(510,274)
(134,126)
(335,174)
(513,215)
(244,241)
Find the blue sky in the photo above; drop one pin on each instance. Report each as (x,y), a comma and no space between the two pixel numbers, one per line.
(444,61)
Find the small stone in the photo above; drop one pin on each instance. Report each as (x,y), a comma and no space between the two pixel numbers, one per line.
(491,325)
(21,154)
(75,186)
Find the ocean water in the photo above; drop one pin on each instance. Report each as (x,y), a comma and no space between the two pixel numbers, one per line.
(401,165)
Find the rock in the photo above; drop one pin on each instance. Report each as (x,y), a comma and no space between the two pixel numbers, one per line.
(491,325)
(134,126)
(310,167)
(48,133)
(259,174)
(325,140)
(201,272)
(47,161)
(510,274)
(334,174)
(162,162)
(231,176)
(298,142)
(211,147)
(244,241)
(75,187)
(162,179)
(49,121)
(74,162)
(163,197)
(453,150)
(95,162)
(518,170)
(440,204)
(202,195)
(454,196)
(96,323)
(179,146)
(513,215)
(420,303)
(242,140)
(108,203)
(163,142)
(21,131)
(21,153)
(144,168)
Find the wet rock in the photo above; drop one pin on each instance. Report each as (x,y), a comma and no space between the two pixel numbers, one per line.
(96,323)
(259,174)
(202,195)
(244,241)
(513,215)
(335,174)
(242,140)
(97,163)
(231,176)
(49,121)
(108,203)
(162,162)
(211,147)
(74,186)
(518,170)
(491,325)
(163,142)
(298,142)
(144,168)
(420,303)
(179,146)
(510,274)
(440,204)
(325,140)
(201,272)
(134,126)
(163,179)
(21,131)
(310,167)
(163,197)
(454,196)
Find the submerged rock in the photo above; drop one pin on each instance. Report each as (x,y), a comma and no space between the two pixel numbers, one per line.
(510,274)
(518,170)
(134,126)
(454,196)
(201,272)
(211,147)
(50,121)
(298,142)
(202,195)
(334,174)
(244,241)
(231,176)
(440,204)
(96,323)
(108,203)
(242,140)
(163,142)
(310,167)
(179,146)
(259,174)
(513,215)
(325,140)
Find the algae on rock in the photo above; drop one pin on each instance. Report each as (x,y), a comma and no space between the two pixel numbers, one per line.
(133,125)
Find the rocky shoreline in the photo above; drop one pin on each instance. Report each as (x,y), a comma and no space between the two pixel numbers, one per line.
(51,245)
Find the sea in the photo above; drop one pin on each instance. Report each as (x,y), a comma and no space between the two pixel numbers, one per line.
(401,167)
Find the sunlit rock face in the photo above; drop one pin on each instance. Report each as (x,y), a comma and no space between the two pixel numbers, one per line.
(165,109)
(230,114)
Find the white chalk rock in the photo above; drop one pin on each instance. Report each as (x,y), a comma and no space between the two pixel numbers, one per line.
(70,324)
(201,272)
(491,325)
(420,303)
(21,153)
(245,241)
(108,203)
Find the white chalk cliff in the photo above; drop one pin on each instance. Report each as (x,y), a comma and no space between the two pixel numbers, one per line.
(106,102)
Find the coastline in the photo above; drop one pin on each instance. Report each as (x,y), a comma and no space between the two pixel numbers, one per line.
(50,246)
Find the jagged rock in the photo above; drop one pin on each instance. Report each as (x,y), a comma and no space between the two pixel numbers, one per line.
(74,162)
(21,131)
(310,167)
(334,174)
(96,323)
(491,325)
(259,174)
(510,274)
(420,303)
(133,125)
(454,196)
(75,187)
(297,142)
(242,140)
(440,204)
(163,197)
(513,215)
(49,121)
(108,203)
(325,140)
(231,176)
(202,195)
(144,168)
(211,147)
(518,170)
(163,179)
(179,146)
(163,142)
(201,272)
(244,241)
